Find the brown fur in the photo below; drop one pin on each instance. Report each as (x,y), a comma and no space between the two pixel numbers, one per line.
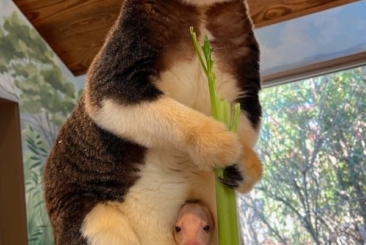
(83,170)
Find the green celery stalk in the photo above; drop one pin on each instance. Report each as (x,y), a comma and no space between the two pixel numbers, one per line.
(227,217)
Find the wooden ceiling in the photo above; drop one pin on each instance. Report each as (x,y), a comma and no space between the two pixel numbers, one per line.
(76,29)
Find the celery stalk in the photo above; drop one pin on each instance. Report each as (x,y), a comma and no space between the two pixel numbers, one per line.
(221,110)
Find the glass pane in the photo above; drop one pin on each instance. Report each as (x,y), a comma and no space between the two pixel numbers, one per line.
(313,147)
(314,38)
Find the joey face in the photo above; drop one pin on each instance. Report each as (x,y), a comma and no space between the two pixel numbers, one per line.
(194,225)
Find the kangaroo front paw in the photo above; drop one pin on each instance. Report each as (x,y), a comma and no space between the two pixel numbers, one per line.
(232,177)
(243,176)
(214,146)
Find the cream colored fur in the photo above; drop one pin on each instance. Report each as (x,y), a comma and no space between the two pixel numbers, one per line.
(181,136)
(160,191)
(167,124)
(106,224)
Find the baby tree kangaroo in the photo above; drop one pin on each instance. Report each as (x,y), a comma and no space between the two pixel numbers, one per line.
(141,141)
(194,225)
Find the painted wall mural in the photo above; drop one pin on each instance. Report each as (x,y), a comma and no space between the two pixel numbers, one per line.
(46,91)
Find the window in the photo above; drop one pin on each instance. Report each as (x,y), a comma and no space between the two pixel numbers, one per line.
(319,37)
(313,147)
(313,135)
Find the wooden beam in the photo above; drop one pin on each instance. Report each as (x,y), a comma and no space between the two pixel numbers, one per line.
(268,12)
(75,29)
(13,218)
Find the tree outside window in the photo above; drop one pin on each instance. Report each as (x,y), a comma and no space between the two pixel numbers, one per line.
(313,147)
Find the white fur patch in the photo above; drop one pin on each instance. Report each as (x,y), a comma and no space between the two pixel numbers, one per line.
(161,190)
(105,224)
(186,83)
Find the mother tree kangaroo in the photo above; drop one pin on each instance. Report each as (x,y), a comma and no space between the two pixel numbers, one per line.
(141,141)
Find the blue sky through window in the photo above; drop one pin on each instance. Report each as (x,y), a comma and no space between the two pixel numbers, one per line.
(313,38)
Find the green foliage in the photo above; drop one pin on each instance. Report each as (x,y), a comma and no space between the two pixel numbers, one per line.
(46,98)
(313,147)
(39,232)
(39,81)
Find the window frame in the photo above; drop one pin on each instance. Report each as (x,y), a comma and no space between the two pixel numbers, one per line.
(315,70)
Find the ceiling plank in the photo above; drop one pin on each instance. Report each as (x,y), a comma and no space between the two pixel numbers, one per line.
(268,12)
(75,29)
